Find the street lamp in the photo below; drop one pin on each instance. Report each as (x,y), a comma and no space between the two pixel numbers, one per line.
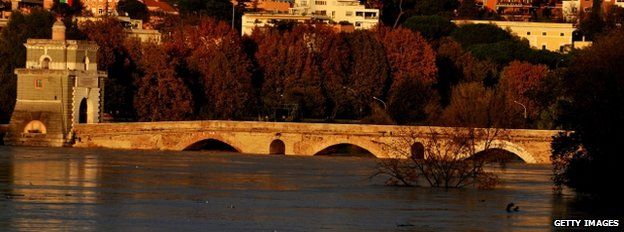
(524,107)
(382,102)
(356,93)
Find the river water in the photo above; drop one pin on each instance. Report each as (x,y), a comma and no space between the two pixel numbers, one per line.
(60,189)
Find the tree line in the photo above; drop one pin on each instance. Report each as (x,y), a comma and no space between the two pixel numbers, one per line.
(476,75)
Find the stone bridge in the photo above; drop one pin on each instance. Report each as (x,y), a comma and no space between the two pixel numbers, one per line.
(532,146)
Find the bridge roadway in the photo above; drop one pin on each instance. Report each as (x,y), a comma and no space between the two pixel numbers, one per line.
(532,146)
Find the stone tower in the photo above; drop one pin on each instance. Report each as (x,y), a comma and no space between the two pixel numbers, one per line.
(59,87)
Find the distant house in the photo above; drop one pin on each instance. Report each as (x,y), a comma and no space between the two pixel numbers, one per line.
(268,6)
(133,28)
(160,6)
(101,7)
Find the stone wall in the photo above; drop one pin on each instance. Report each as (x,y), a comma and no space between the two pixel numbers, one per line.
(533,146)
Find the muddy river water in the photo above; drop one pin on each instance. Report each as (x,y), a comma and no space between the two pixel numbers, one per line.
(60,189)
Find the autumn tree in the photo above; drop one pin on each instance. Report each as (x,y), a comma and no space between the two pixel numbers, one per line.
(370,72)
(217,9)
(335,65)
(226,71)
(456,65)
(413,72)
(473,105)
(291,63)
(161,94)
(520,80)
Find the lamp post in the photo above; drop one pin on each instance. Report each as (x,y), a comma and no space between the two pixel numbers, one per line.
(375,98)
(523,107)
(382,102)
(233,13)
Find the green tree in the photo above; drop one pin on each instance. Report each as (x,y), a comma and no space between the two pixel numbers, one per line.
(431,27)
(114,58)
(589,158)
(217,9)
(134,9)
(471,34)
(36,25)
(66,10)
(593,22)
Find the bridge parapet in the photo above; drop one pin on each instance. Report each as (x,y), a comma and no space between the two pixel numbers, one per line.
(296,138)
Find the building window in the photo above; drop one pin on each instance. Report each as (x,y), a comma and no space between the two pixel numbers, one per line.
(39,84)
(543,47)
(528,33)
(562,34)
(100,11)
(359,14)
(561,48)
(544,33)
(349,13)
(45,63)
(321,3)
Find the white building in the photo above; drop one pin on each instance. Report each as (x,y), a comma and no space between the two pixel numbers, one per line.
(556,37)
(337,12)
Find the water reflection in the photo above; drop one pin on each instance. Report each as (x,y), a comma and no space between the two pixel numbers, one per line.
(74,189)
(41,187)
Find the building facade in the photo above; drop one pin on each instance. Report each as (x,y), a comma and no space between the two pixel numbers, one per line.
(59,87)
(555,37)
(351,11)
(100,7)
(340,13)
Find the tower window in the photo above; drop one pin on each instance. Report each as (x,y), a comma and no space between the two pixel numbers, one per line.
(45,63)
(39,84)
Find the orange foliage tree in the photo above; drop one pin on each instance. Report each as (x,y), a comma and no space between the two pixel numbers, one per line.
(520,80)
(225,69)
(162,95)
(370,72)
(413,69)
(291,63)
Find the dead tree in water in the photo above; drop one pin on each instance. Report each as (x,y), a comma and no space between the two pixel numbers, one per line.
(442,158)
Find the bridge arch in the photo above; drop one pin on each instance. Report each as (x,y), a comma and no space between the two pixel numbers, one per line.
(277,147)
(506,146)
(417,151)
(373,149)
(211,144)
